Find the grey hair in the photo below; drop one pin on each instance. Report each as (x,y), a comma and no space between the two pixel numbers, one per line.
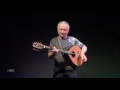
(65,23)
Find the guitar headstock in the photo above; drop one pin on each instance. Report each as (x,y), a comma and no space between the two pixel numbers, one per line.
(38,45)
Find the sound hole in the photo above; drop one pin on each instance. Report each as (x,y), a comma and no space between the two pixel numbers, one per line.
(73,54)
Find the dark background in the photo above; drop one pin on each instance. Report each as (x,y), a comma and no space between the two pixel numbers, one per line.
(98,30)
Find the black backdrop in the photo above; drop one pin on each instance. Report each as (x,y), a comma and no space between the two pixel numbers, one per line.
(98,30)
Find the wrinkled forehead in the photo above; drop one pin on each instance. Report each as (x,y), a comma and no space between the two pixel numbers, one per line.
(63,26)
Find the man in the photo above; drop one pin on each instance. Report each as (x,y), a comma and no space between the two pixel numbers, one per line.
(63,67)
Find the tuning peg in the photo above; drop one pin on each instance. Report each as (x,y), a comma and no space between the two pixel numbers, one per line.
(35,49)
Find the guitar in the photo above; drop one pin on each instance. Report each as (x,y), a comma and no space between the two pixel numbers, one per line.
(73,52)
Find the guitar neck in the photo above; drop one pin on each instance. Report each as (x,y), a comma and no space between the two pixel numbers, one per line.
(63,51)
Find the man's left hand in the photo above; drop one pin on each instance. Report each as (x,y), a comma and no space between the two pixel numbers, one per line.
(84,58)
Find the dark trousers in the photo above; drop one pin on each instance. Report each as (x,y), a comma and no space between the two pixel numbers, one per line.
(62,73)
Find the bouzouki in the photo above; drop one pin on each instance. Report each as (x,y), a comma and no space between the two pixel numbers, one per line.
(73,53)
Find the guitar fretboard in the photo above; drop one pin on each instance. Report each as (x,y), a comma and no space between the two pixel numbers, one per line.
(63,51)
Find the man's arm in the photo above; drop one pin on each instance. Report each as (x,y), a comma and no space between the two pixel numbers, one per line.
(82,46)
(51,54)
(84,49)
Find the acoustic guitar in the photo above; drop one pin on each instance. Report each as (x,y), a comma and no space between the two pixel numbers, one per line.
(73,52)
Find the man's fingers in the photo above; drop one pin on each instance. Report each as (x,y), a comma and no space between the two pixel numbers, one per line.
(54,47)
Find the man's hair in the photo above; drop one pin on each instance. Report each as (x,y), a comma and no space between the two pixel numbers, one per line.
(65,23)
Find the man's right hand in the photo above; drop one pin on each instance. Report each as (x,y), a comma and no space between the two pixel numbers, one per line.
(55,50)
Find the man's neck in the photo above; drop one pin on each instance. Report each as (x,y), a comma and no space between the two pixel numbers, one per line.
(63,38)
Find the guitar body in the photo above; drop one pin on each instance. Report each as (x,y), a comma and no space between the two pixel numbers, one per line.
(77,60)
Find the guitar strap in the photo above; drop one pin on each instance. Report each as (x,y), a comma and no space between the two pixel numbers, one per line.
(59,43)
(61,47)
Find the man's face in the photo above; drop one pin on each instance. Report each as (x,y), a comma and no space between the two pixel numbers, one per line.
(63,30)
